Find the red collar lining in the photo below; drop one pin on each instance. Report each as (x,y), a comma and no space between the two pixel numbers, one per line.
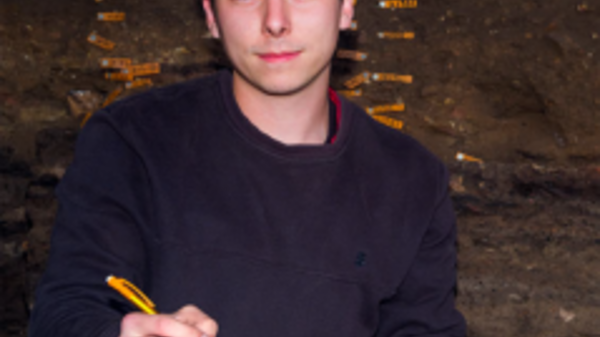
(338,112)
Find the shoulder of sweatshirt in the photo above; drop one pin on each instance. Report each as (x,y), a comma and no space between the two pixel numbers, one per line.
(167,120)
(170,108)
(394,148)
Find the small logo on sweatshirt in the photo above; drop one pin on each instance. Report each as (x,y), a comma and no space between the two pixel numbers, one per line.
(361,259)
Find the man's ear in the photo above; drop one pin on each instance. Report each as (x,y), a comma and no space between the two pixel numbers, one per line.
(211,19)
(347,14)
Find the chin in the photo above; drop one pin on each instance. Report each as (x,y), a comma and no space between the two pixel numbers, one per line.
(284,84)
(282,80)
(280,89)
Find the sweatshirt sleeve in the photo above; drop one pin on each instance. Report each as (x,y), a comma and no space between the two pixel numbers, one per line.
(424,303)
(103,199)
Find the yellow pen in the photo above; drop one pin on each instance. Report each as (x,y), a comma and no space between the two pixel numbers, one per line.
(132,293)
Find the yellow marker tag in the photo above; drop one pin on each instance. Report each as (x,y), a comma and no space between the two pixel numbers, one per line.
(114,63)
(398,4)
(85,119)
(143,69)
(388,77)
(111,16)
(101,42)
(465,157)
(112,96)
(351,93)
(396,35)
(385,108)
(357,80)
(394,123)
(352,55)
(140,82)
(119,76)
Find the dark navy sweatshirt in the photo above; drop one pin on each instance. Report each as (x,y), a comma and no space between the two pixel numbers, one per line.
(178,192)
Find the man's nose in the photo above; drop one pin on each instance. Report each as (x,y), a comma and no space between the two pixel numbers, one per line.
(277,22)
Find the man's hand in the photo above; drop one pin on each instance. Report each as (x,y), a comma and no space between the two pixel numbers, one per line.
(189,321)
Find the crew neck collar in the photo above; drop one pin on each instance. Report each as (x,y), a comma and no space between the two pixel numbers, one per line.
(264,142)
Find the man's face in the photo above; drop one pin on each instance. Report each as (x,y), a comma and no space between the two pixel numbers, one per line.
(279,46)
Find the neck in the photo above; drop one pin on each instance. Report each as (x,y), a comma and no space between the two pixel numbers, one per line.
(298,118)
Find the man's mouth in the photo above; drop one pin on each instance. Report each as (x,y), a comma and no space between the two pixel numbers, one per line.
(279,57)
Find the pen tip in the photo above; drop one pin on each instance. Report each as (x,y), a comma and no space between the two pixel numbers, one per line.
(108,278)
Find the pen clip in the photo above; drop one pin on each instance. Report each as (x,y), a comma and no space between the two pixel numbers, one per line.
(138,292)
(127,289)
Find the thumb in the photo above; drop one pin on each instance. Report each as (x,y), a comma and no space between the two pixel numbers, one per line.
(195,317)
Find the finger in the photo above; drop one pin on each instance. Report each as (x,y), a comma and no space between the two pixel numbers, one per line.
(142,325)
(195,317)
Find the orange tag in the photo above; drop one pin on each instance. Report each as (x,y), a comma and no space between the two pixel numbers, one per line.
(394,123)
(351,93)
(380,77)
(396,35)
(85,119)
(352,55)
(119,76)
(385,108)
(398,4)
(140,82)
(109,99)
(112,96)
(101,42)
(143,69)
(115,63)
(465,157)
(357,80)
(111,16)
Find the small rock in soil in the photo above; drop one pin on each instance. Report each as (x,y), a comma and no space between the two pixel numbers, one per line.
(83,101)
(13,221)
(429,90)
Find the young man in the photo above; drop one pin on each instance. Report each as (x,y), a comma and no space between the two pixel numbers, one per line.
(253,202)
